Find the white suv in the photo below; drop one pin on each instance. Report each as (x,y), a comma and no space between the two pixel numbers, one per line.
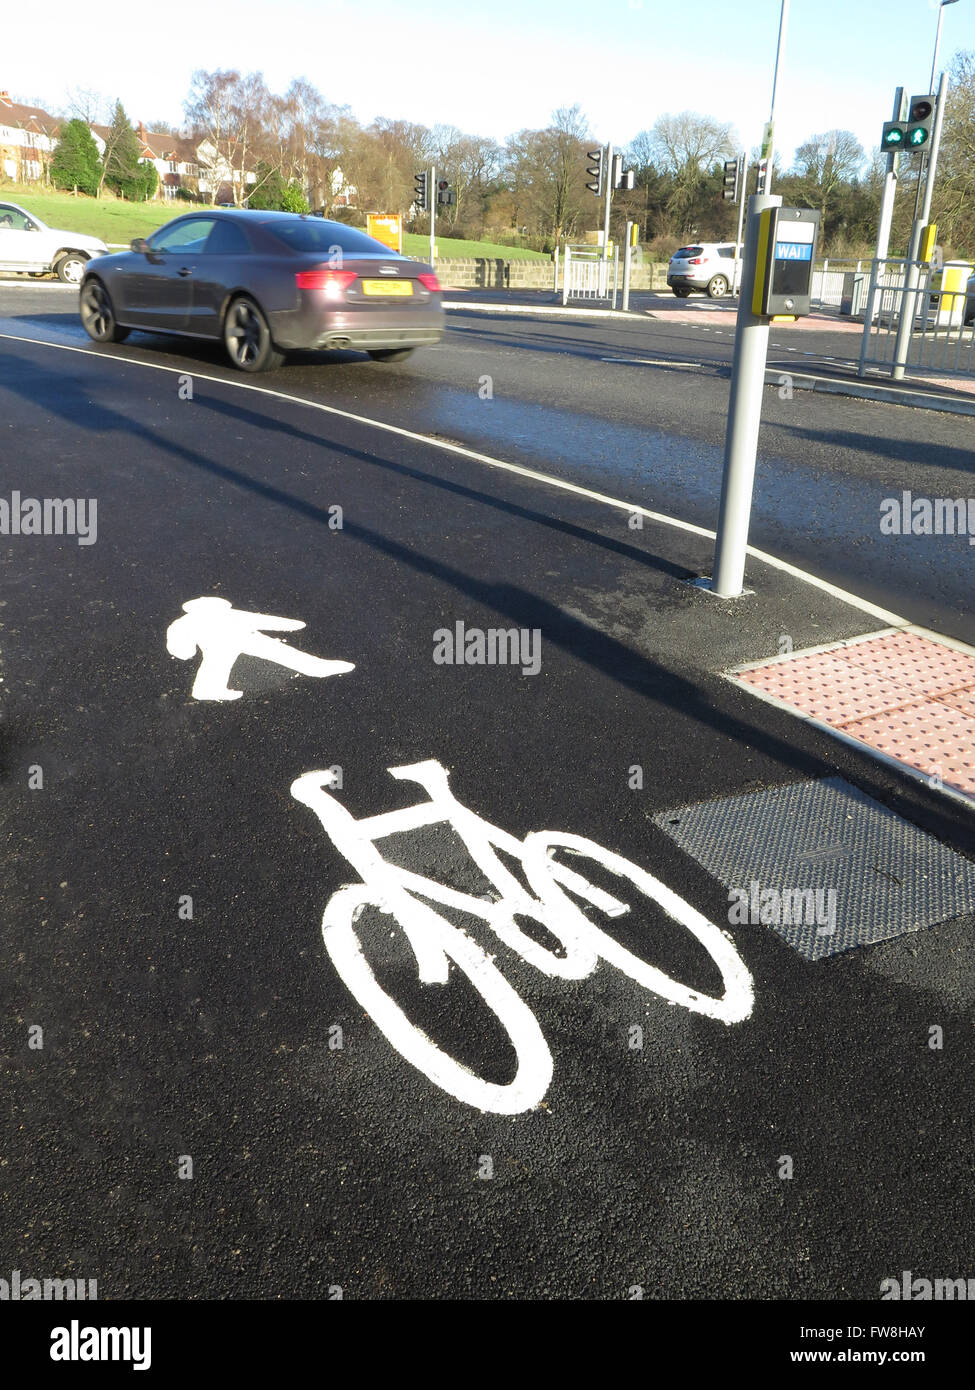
(711,266)
(29,246)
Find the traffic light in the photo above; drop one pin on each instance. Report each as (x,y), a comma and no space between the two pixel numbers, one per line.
(732,174)
(420,192)
(920,121)
(595,171)
(622,179)
(444,195)
(762,176)
(913,133)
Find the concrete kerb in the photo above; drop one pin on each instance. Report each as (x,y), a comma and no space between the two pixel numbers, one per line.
(872,391)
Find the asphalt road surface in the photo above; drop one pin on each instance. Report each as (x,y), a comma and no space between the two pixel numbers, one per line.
(212,1109)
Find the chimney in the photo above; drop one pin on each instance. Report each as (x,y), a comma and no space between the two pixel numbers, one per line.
(142,131)
(5,99)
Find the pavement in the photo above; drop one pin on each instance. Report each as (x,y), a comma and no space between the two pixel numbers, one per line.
(597,1094)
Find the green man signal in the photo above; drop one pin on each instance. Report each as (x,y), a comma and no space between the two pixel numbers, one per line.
(921,120)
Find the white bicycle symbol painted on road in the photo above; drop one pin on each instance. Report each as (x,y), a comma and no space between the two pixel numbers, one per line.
(435,941)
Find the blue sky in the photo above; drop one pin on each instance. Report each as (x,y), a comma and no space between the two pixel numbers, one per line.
(496,67)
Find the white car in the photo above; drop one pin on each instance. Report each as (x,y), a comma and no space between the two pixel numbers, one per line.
(29,246)
(710,266)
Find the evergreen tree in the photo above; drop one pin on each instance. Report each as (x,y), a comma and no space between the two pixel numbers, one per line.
(75,162)
(293,200)
(122,171)
(269,190)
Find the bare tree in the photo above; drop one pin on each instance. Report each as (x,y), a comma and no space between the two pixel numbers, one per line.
(687,142)
(546,171)
(685,146)
(954,197)
(824,162)
(234,115)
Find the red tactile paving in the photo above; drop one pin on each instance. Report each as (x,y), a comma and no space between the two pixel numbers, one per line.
(901,694)
(931,737)
(960,699)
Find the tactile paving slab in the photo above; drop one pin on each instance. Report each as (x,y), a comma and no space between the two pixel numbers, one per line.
(886,876)
(900,693)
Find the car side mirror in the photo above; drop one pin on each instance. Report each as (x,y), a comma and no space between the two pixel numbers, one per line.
(140,244)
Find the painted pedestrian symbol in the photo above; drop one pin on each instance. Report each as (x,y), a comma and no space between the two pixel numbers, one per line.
(222,633)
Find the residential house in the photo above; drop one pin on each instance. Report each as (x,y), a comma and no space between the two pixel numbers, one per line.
(27,137)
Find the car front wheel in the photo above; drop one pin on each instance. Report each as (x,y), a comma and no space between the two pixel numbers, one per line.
(391,354)
(71,268)
(247,338)
(717,286)
(98,315)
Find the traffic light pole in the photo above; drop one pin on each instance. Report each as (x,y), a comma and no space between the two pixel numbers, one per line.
(890,184)
(608,176)
(768,150)
(432,200)
(905,326)
(744,419)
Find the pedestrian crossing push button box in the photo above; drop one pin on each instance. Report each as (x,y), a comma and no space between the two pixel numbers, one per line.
(787,239)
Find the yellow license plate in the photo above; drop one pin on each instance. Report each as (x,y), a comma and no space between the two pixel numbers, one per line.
(387,287)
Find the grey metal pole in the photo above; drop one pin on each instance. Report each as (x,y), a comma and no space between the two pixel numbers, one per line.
(934,68)
(890,185)
(905,325)
(779,56)
(939,120)
(565,273)
(937,44)
(627,260)
(609,195)
(555,287)
(433,213)
(883,233)
(744,419)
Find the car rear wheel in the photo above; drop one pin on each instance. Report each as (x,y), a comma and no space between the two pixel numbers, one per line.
(681,291)
(71,267)
(717,286)
(247,338)
(98,316)
(391,354)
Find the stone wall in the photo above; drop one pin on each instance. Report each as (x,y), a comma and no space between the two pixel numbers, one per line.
(525,274)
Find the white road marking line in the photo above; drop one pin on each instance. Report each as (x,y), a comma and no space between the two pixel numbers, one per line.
(631,508)
(649,362)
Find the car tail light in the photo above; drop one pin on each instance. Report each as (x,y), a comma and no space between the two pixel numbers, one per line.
(696,260)
(430,282)
(333,282)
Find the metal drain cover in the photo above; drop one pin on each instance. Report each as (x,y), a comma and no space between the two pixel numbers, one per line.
(793,851)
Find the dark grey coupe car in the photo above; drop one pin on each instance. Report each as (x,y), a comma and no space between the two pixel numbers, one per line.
(264,282)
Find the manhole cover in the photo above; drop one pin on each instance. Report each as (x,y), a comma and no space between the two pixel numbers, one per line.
(824,865)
